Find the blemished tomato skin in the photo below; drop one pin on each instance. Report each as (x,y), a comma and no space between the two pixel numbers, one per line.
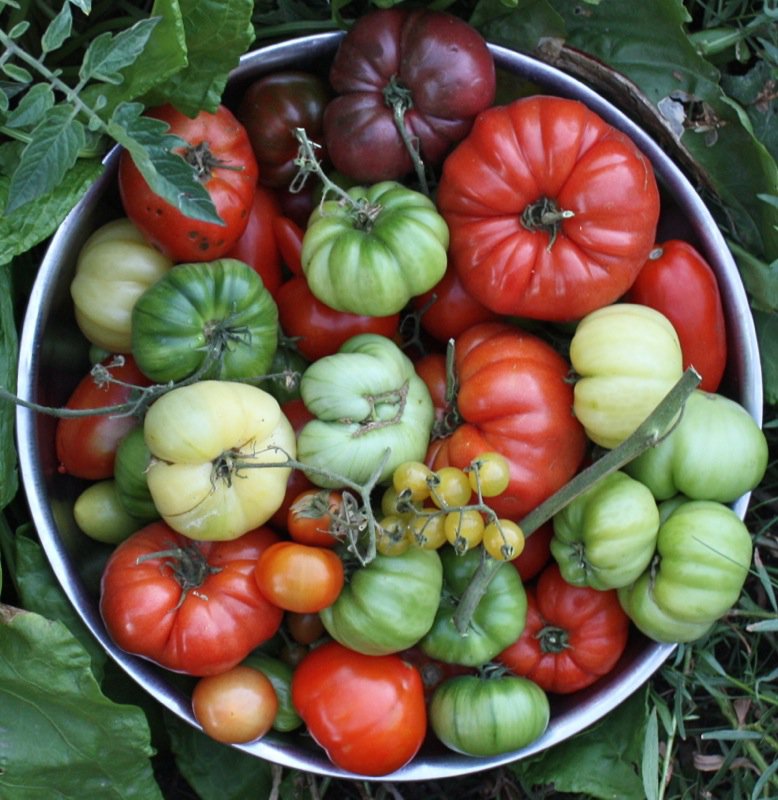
(552,212)
(680,283)
(367,712)
(230,177)
(574,634)
(206,629)
(86,446)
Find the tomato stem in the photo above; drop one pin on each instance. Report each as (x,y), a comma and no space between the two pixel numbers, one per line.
(544,215)
(552,639)
(205,163)
(399,99)
(188,565)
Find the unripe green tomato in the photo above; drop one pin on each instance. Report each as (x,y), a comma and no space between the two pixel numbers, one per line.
(100,515)
(628,357)
(132,488)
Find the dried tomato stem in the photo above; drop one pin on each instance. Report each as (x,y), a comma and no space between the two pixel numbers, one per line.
(400,100)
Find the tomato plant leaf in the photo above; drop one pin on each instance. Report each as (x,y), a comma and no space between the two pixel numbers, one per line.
(32,107)
(9,480)
(217,34)
(767,336)
(58,729)
(497,22)
(58,31)
(108,54)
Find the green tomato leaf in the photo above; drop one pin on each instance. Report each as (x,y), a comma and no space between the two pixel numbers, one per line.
(23,228)
(9,480)
(58,31)
(767,336)
(602,762)
(58,729)
(166,172)
(498,21)
(108,54)
(32,107)
(53,150)
(217,34)
(214,770)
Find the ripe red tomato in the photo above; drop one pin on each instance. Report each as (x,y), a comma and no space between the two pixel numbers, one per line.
(257,245)
(552,211)
(367,712)
(431,63)
(514,398)
(289,238)
(221,158)
(86,446)
(192,607)
(536,553)
(319,330)
(448,309)
(680,283)
(310,515)
(299,577)
(573,635)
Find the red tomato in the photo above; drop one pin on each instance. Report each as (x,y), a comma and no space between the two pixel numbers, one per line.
(677,281)
(221,158)
(514,398)
(573,635)
(432,671)
(319,330)
(367,712)
(192,607)
(299,577)
(552,211)
(86,446)
(448,309)
(536,553)
(310,515)
(257,245)
(289,238)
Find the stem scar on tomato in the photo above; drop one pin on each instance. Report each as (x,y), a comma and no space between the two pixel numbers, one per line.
(205,163)
(189,566)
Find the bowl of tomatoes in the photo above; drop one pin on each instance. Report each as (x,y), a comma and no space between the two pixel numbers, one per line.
(466,177)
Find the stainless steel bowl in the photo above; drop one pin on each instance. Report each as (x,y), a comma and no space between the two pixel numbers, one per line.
(53,355)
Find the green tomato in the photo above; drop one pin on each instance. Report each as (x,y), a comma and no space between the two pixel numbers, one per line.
(606,537)
(286,368)
(488,716)
(704,552)
(388,604)
(497,621)
(115,266)
(100,515)
(628,357)
(279,673)
(370,405)
(373,260)
(216,316)
(715,452)
(132,487)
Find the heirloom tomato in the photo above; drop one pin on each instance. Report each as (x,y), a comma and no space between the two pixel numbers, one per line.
(388,604)
(86,445)
(192,607)
(235,706)
(310,517)
(573,636)
(218,151)
(606,536)
(279,673)
(300,577)
(371,253)
(215,317)
(716,451)
(680,283)
(401,76)
(367,712)
(488,715)
(289,238)
(514,398)
(536,553)
(257,245)
(497,620)
(627,358)
(101,516)
(319,330)
(270,110)
(552,211)
(369,405)
(230,476)
(115,266)
(129,470)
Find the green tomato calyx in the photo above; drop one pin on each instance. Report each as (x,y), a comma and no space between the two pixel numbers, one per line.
(189,566)
(543,215)
(204,163)
(552,639)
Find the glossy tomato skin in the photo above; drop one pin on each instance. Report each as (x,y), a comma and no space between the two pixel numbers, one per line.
(536,553)
(541,155)
(574,634)
(367,712)
(257,245)
(205,630)
(318,329)
(271,108)
(86,446)
(680,283)
(230,177)
(310,516)
(413,49)
(514,398)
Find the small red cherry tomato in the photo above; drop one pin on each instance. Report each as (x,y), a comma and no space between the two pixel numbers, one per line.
(310,515)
